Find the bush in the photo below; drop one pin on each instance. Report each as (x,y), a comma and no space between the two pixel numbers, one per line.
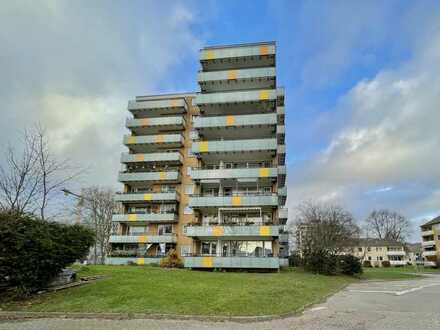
(320,262)
(367,263)
(349,265)
(295,260)
(386,264)
(171,260)
(33,252)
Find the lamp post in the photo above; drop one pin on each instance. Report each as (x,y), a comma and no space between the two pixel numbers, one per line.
(80,203)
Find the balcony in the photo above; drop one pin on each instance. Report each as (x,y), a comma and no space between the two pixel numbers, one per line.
(429,253)
(146,217)
(238,56)
(429,264)
(427,233)
(397,262)
(133,177)
(250,145)
(149,143)
(158,107)
(283,213)
(428,243)
(155,125)
(261,96)
(233,173)
(282,195)
(255,120)
(281,175)
(270,200)
(232,262)
(142,239)
(281,130)
(158,157)
(280,115)
(130,260)
(147,197)
(284,238)
(254,78)
(281,154)
(396,253)
(246,231)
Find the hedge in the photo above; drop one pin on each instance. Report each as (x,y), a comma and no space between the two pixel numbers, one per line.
(33,252)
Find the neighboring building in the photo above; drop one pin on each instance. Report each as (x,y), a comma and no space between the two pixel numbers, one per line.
(414,253)
(205,172)
(378,250)
(431,242)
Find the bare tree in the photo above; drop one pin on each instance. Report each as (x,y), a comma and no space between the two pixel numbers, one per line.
(324,228)
(98,206)
(20,178)
(31,179)
(389,225)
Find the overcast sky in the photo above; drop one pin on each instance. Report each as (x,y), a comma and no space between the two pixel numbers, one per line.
(362,85)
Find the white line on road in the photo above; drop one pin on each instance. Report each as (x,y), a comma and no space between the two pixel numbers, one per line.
(397,293)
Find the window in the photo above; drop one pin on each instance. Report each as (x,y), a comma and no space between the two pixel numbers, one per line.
(369,258)
(369,249)
(360,249)
(189,189)
(209,248)
(185,250)
(165,229)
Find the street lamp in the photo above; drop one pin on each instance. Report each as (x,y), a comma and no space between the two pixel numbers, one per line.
(80,203)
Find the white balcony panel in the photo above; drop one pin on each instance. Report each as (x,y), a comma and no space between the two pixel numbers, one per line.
(397,262)
(145,218)
(155,125)
(427,232)
(230,201)
(396,253)
(147,143)
(267,119)
(232,262)
(146,197)
(428,243)
(232,231)
(142,239)
(429,253)
(153,108)
(170,176)
(234,145)
(236,173)
(236,97)
(158,157)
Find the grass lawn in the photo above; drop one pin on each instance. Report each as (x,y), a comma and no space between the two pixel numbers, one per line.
(147,289)
(396,273)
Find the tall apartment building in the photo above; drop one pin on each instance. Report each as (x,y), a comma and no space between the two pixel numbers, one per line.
(431,242)
(205,172)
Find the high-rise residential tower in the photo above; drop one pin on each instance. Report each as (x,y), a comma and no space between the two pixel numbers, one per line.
(205,172)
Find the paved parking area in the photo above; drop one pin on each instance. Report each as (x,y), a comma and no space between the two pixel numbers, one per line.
(413,304)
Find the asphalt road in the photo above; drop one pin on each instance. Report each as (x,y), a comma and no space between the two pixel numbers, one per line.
(413,304)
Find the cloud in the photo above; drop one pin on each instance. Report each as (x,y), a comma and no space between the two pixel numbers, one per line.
(72,66)
(386,136)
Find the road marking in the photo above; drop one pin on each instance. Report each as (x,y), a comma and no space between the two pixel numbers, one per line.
(315,309)
(397,293)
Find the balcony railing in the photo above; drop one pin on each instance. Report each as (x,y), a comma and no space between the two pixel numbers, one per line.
(235,121)
(147,196)
(397,262)
(232,262)
(262,95)
(153,139)
(151,105)
(234,173)
(429,253)
(237,52)
(145,217)
(171,157)
(171,238)
(235,146)
(221,230)
(228,201)
(160,176)
(396,253)
(131,260)
(428,243)
(427,232)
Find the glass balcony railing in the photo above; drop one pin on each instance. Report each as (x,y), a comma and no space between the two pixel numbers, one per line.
(221,230)
(171,157)
(235,145)
(173,176)
(234,173)
(139,238)
(229,201)
(136,197)
(235,121)
(146,217)
(263,95)
(232,262)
